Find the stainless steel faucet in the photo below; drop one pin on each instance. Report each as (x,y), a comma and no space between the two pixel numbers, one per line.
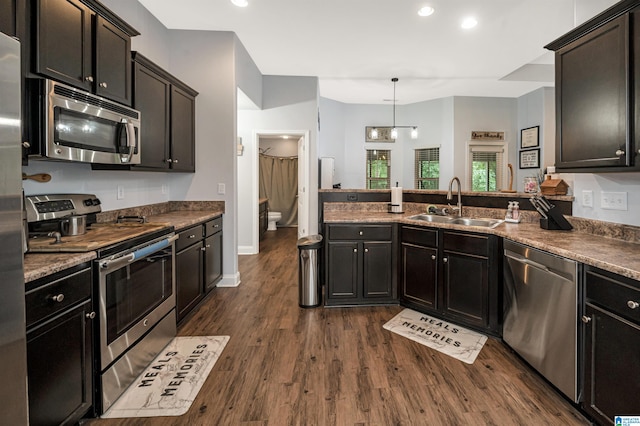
(450,195)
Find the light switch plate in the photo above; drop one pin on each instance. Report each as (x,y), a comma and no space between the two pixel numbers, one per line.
(221,188)
(587,198)
(613,200)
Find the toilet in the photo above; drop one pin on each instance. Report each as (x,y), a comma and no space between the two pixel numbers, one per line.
(272,218)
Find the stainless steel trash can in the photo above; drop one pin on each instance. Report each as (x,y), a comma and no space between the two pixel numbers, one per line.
(309,289)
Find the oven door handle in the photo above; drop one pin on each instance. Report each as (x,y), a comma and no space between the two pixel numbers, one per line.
(138,254)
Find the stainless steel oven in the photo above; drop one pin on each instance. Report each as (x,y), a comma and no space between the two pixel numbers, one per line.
(136,297)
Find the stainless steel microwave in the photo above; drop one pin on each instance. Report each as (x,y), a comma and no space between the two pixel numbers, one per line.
(72,125)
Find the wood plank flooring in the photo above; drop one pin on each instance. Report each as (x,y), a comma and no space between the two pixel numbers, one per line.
(337,366)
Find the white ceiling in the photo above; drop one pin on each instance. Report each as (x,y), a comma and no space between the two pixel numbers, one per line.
(355,47)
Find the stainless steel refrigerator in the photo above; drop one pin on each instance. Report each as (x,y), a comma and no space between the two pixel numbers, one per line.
(13,353)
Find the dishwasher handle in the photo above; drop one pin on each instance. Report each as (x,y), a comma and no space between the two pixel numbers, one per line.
(533,264)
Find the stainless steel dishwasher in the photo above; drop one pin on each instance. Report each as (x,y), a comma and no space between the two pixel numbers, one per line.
(541,313)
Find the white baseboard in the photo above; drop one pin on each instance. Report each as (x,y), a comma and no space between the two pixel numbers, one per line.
(229,280)
(245,250)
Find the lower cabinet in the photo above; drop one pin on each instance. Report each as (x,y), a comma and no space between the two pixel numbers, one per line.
(59,347)
(360,261)
(611,325)
(198,264)
(452,274)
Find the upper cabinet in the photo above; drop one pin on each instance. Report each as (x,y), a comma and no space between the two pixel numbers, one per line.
(597,93)
(10,13)
(83,44)
(167,107)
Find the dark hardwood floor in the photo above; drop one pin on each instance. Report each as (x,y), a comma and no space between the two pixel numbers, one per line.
(337,366)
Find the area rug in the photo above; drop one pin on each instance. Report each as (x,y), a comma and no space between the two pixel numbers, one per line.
(450,339)
(170,384)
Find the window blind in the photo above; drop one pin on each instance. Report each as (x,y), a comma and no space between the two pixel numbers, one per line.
(378,169)
(427,168)
(486,168)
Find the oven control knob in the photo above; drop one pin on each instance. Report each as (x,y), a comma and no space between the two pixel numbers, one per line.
(91,315)
(58,298)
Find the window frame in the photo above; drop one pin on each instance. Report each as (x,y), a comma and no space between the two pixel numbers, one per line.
(501,168)
(375,152)
(417,179)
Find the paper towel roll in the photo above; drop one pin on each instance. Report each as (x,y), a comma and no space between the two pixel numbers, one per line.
(396,199)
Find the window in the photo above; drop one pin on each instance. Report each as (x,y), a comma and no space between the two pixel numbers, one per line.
(378,169)
(427,170)
(486,167)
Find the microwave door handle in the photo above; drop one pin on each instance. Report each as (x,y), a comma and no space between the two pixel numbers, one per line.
(130,132)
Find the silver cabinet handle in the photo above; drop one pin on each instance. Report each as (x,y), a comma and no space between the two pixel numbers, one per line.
(89,78)
(433,257)
(175,161)
(355,250)
(208,246)
(366,250)
(58,298)
(619,153)
(632,304)
(445,260)
(203,249)
(91,315)
(191,236)
(26,144)
(169,160)
(103,84)
(586,319)
(361,233)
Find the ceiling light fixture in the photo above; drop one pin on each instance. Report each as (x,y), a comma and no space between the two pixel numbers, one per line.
(469,22)
(394,129)
(240,3)
(426,11)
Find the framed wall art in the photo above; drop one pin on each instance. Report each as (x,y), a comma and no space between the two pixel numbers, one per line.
(530,159)
(530,137)
(384,134)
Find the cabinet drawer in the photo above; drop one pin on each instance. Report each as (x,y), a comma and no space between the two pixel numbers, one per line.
(360,232)
(420,236)
(615,293)
(466,243)
(56,296)
(189,236)
(213,226)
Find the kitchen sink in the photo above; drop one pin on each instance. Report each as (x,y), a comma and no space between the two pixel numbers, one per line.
(467,221)
(487,223)
(432,218)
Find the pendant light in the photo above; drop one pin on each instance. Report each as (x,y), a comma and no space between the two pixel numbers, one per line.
(394,129)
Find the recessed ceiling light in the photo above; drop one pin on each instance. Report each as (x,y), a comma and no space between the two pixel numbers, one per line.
(469,22)
(426,11)
(285,137)
(240,3)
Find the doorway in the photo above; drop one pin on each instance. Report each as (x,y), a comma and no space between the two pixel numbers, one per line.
(278,176)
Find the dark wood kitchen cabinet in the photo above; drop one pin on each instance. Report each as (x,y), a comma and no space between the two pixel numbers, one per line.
(198,264)
(167,106)
(12,17)
(452,274)
(59,320)
(83,44)
(360,264)
(419,263)
(611,326)
(598,93)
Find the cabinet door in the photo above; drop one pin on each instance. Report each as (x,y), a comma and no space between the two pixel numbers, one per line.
(64,42)
(592,105)
(612,345)
(377,269)
(151,96)
(466,287)
(189,288)
(59,359)
(342,273)
(212,260)
(182,131)
(113,62)
(9,15)
(419,275)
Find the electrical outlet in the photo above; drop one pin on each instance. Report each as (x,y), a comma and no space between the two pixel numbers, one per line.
(587,198)
(120,195)
(221,188)
(614,200)
(165,189)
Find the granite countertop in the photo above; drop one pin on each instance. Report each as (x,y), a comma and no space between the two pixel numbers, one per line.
(38,265)
(617,256)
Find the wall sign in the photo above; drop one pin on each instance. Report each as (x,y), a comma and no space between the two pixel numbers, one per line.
(384,134)
(530,159)
(481,135)
(530,137)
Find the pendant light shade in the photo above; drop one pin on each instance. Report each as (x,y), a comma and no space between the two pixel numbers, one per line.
(414,133)
(374,133)
(394,133)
